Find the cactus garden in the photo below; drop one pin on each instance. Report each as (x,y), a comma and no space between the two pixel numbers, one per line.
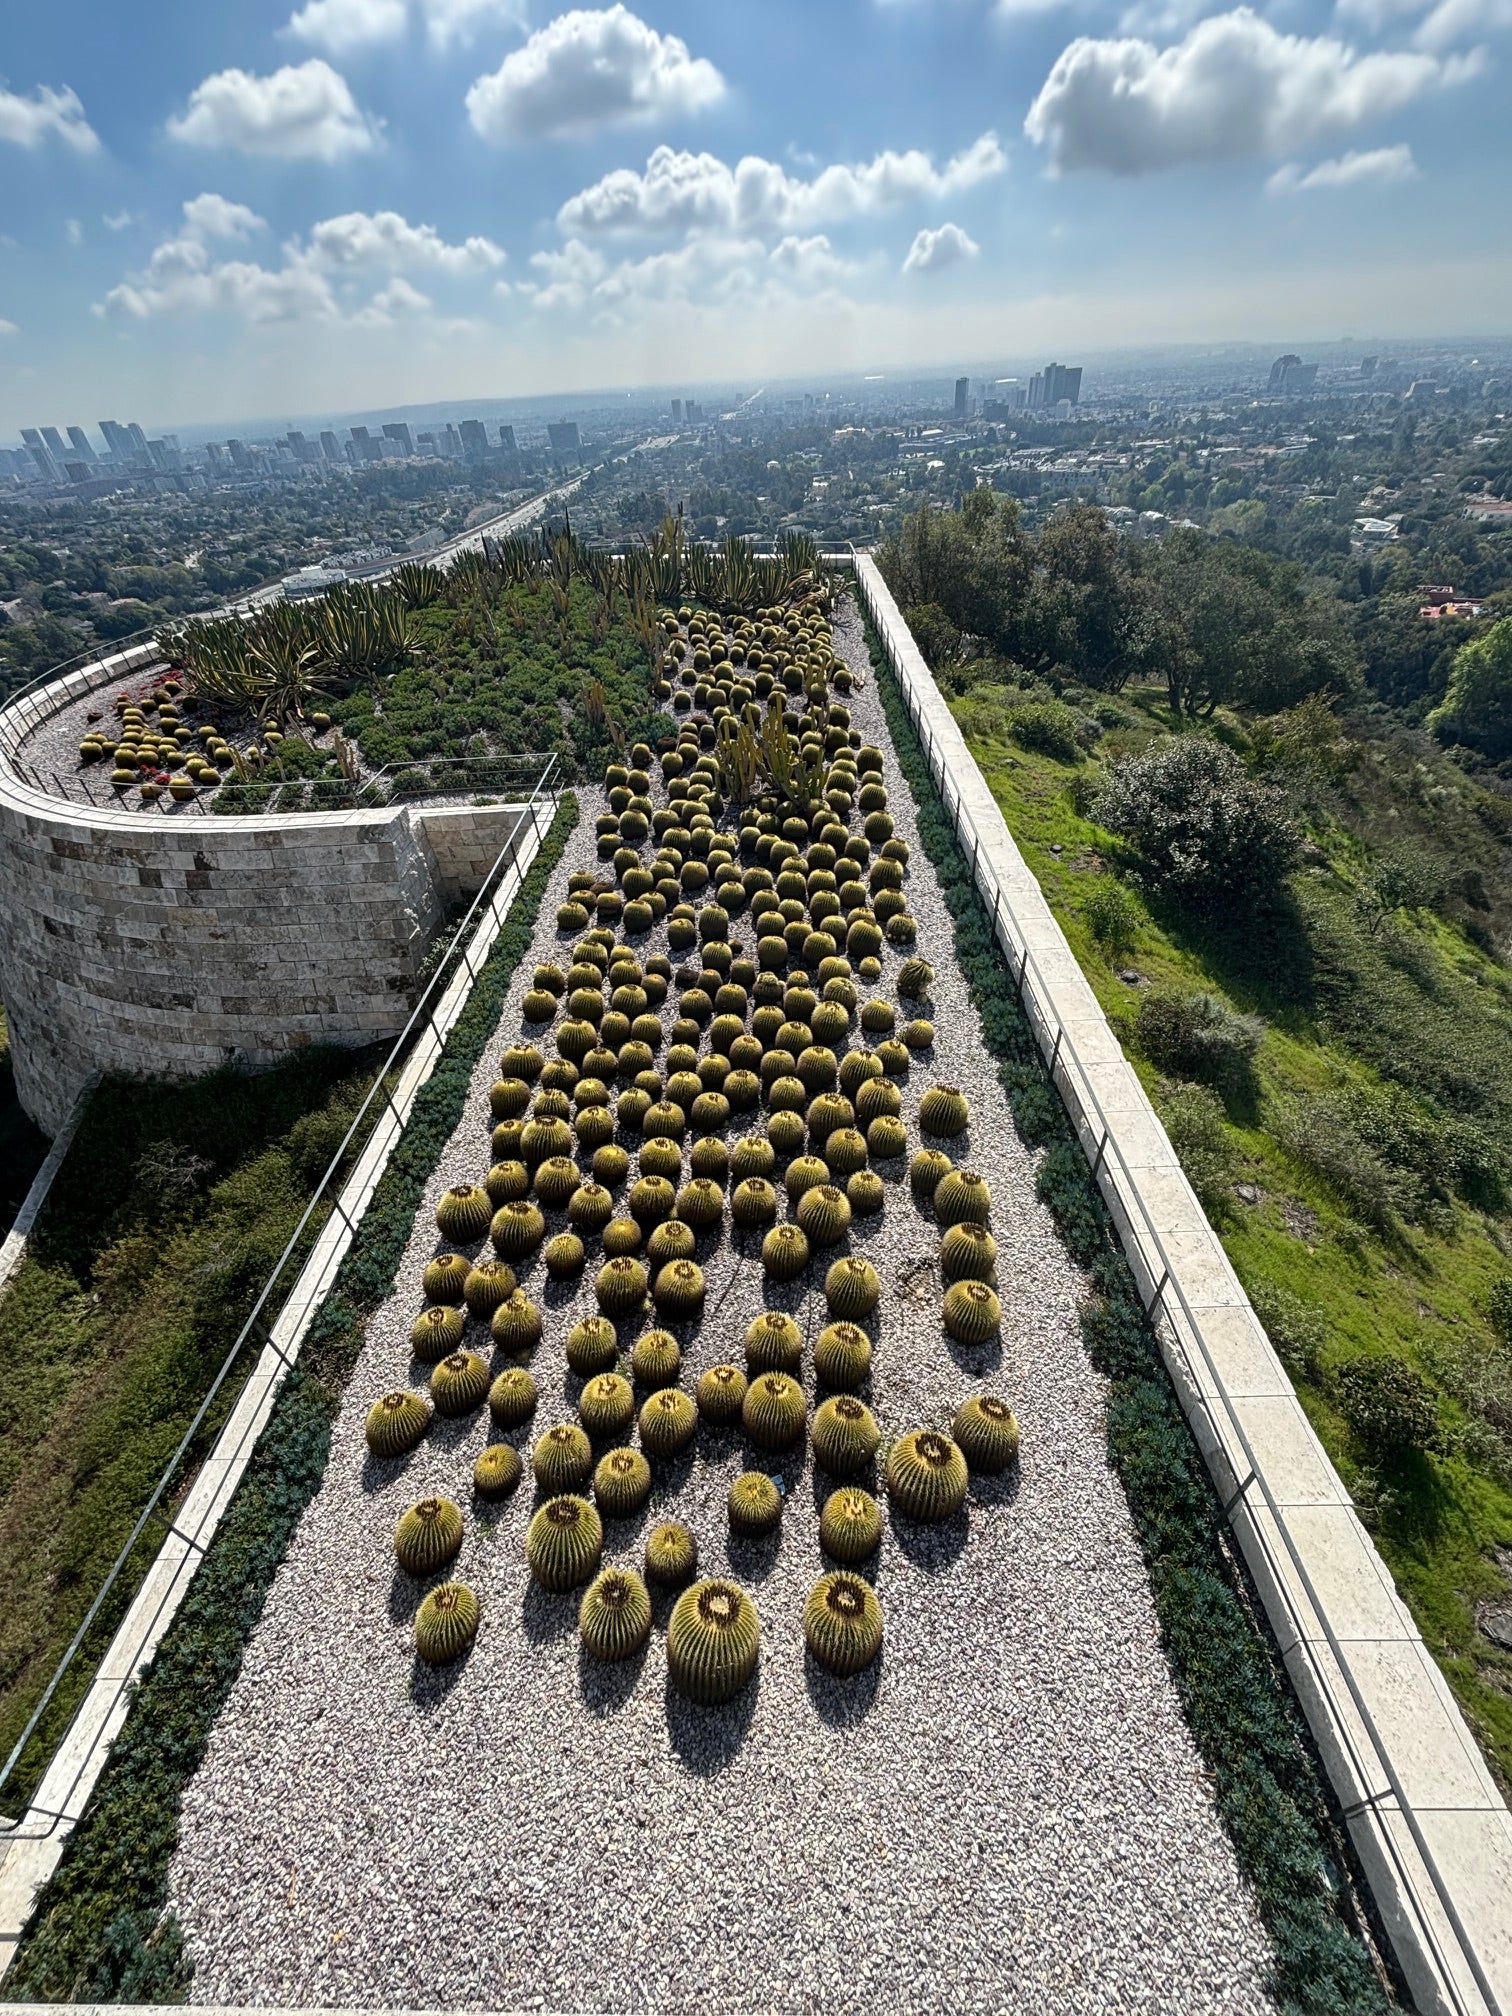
(724,1485)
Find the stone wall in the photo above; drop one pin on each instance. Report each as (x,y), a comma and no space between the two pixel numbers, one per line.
(134,942)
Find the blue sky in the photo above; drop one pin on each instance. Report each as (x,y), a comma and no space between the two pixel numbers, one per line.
(211,212)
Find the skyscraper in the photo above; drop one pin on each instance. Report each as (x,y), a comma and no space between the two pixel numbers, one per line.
(117,440)
(1290,374)
(507,440)
(398,432)
(81,445)
(474,440)
(48,469)
(677,411)
(563,436)
(962,397)
(54,441)
(1063,381)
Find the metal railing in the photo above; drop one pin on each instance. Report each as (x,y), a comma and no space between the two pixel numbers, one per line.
(1098,1138)
(377,790)
(259,1328)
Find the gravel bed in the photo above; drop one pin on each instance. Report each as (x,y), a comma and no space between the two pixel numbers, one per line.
(1006,1812)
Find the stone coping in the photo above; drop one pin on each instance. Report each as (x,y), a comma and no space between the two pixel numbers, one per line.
(37,1841)
(1432,1832)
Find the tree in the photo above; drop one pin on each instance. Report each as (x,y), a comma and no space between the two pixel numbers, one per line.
(1204,827)
(970,563)
(1477,709)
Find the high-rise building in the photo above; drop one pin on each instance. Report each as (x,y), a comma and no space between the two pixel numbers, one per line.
(474,440)
(54,444)
(451,443)
(398,431)
(1063,381)
(366,445)
(117,440)
(330,447)
(677,411)
(1290,374)
(240,458)
(962,397)
(1036,397)
(138,440)
(507,441)
(81,445)
(564,437)
(425,444)
(48,469)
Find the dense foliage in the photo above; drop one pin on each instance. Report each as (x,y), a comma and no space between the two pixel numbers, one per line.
(98,1933)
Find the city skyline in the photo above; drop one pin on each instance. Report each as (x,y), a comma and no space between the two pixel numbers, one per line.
(253,209)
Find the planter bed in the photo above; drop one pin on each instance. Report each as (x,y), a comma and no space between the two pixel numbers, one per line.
(1006,1809)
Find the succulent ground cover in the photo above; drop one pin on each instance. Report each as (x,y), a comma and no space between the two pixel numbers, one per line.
(763,1752)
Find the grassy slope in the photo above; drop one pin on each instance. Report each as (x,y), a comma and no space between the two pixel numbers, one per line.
(141,1276)
(1417,1294)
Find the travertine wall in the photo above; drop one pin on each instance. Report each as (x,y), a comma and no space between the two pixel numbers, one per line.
(129,942)
(142,943)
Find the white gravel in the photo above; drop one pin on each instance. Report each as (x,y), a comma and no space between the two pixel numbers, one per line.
(1006,1813)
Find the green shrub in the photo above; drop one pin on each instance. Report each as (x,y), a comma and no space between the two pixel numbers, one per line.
(1193,1116)
(1112,916)
(1499,1308)
(1204,827)
(1049,728)
(1199,1036)
(1296,1328)
(1391,1408)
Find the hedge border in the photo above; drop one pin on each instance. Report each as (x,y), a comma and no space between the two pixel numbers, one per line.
(98,1931)
(1267,1780)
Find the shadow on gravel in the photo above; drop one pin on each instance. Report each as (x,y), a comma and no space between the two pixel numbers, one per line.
(431,1685)
(754,1560)
(380,1470)
(842,1703)
(708,1740)
(994,1491)
(934,1548)
(607,1687)
(976,1360)
(404,1597)
(546,1616)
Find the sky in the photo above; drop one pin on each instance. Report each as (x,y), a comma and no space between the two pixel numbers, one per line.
(209,212)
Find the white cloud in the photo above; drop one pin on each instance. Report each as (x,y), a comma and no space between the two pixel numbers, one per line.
(1233,89)
(729,271)
(1461,21)
(387,239)
(304,111)
(75,231)
(341,26)
(1349,171)
(319,279)
(344,25)
(680,191)
(587,70)
(450,21)
(8,328)
(392,304)
(117,220)
(46,114)
(933,251)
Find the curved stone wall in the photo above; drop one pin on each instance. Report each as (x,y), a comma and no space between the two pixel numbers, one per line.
(138,943)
